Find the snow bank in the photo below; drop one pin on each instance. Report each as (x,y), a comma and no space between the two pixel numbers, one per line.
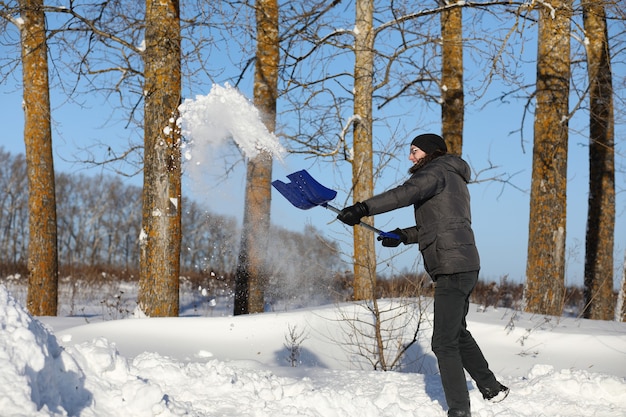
(91,378)
(37,377)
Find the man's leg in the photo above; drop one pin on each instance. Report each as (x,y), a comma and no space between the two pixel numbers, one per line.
(472,357)
(448,324)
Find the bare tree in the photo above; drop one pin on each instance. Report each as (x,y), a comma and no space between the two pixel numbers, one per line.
(362,162)
(13,210)
(252,273)
(599,242)
(42,247)
(99,219)
(452,97)
(381,333)
(545,268)
(161,231)
(99,47)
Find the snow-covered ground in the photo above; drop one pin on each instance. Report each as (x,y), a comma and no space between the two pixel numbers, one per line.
(242,366)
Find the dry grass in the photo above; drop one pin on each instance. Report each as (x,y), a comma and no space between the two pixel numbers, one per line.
(114,290)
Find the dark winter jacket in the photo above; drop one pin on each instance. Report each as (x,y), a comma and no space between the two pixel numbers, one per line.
(438,192)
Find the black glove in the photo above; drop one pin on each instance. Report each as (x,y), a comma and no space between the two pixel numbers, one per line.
(352,215)
(390,242)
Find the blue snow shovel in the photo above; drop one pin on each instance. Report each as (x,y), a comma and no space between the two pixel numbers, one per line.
(305,192)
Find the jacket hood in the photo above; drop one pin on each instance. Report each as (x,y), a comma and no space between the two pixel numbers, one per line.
(455,164)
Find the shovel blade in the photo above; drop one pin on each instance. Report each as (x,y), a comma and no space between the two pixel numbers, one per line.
(304,191)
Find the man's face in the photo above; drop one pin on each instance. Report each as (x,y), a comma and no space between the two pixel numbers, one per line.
(416,154)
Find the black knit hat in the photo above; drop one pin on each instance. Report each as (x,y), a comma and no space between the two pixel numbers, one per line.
(429,143)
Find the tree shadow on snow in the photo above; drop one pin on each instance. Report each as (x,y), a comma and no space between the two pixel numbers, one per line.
(55,386)
(298,357)
(417,360)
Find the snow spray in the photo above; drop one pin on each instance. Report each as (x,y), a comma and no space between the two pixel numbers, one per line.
(222,115)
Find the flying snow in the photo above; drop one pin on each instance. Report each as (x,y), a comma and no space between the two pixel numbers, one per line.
(222,115)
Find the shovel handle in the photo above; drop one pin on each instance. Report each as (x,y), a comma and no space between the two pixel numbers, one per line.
(367,226)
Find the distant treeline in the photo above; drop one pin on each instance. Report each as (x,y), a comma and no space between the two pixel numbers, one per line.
(99,223)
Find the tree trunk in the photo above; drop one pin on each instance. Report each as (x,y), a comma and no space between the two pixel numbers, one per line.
(42,248)
(161,233)
(545,267)
(362,165)
(452,108)
(252,272)
(599,242)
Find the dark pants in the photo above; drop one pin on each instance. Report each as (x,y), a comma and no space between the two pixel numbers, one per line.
(453,345)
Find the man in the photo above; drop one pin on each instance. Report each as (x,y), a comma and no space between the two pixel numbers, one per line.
(437,189)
